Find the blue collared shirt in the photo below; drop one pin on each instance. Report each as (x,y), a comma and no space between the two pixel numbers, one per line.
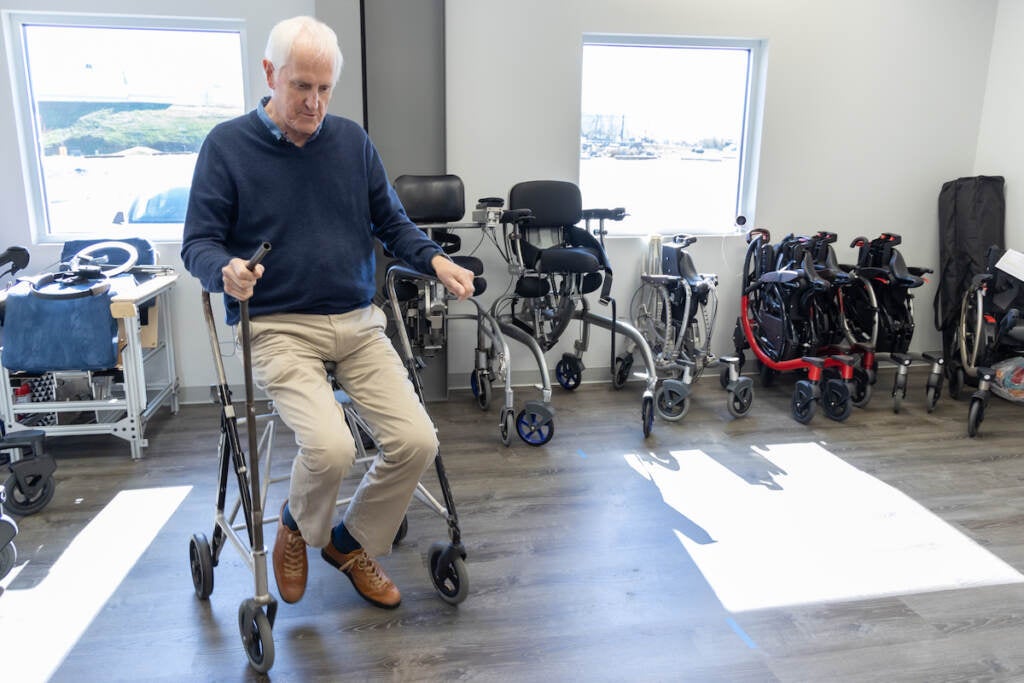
(261,111)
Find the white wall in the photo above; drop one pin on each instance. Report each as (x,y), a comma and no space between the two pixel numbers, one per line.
(195,364)
(1000,143)
(870,107)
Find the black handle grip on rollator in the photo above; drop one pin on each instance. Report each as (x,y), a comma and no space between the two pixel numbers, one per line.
(250,409)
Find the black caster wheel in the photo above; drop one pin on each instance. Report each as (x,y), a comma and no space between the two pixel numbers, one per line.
(671,403)
(723,377)
(804,405)
(933,391)
(403,530)
(257,636)
(741,398)
(506,426)
(860,389)
(38,492)
(568,372)
(622,370)
(534,428)
(975,415)
(835,400)
(448,573)
(957,379)
(647,415)
(200,560)
(480,383)
(899,391)
(8,558)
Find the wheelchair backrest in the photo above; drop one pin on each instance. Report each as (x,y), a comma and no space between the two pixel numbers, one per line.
(556,205)
(432,198)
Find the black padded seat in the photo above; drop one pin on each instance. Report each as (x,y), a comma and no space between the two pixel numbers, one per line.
(568,260)
(898,269)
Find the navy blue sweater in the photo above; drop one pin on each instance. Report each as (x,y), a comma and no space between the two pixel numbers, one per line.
(320,206)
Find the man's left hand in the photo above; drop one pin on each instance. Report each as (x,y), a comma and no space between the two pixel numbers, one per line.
(457,280)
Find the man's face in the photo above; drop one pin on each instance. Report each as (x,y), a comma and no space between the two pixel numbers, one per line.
(301,89)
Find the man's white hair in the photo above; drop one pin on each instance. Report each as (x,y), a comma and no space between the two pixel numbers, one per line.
(312,32)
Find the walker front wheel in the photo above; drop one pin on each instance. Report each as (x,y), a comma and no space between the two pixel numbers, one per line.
(647,415)
(569,372)
(672,404)
(975,414)
(257,636)
(741,398)
(534,428)
(448,573)
(37,493)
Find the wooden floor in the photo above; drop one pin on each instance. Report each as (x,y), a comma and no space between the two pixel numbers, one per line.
(575,563)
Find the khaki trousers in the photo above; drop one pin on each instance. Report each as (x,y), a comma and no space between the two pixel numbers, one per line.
(289,351)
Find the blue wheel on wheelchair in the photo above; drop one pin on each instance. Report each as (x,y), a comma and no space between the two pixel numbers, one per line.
(622,370)
(481,386)
(647,415)
(569,372)
(534,428)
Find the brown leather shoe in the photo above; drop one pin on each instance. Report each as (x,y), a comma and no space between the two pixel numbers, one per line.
(366,576)
(291,566)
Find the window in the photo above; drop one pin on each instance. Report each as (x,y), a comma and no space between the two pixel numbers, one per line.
(111,113)
(669,131)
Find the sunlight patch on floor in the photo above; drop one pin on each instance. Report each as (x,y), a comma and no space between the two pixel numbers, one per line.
(795,524)
(40,625)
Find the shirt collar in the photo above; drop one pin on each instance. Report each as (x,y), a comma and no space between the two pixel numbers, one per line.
(279,134)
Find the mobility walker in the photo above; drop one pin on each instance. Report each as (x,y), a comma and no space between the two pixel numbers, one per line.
(436,203)
(785,314)
(554,264)
(256,614)
(990,330)
(30,485)
(675,310)
(878,314)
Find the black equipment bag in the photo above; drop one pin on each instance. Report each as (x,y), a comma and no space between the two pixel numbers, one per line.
(972,216)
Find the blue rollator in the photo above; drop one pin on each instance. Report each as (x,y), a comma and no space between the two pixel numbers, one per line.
(555,263)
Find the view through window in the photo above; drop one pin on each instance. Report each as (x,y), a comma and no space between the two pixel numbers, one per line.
(665,132)
(113,115)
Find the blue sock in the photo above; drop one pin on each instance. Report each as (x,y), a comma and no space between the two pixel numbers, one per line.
(343,540)
(287,519)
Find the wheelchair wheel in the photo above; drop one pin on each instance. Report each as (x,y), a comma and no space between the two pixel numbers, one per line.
(533,428)
(8,558)
(957,380)
(623,367)
(766,374)
(200,560)
(671,404)
(481,386)
(647,415)
(448,573)
(741,398)
(803,406)
(835,400)
(899,391)
(568,372)
(975,414)
(257,636)
(24,502)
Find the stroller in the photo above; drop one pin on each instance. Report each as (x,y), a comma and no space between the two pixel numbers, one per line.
(990,330)
(878,313)
(787,316)
(554,264)
(446,562)
(675,310)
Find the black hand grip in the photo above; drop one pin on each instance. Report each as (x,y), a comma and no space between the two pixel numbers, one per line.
(261,251)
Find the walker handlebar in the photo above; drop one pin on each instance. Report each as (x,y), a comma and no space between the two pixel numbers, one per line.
(260,252)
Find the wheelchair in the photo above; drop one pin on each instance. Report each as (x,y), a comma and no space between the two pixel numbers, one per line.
(256,614)
(786,319)
(30,485)
(990,330)
(675,309)
(554,264)
(878,310)
(436,203)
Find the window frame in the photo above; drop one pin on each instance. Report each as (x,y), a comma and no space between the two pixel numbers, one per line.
(29,140)
(754,96)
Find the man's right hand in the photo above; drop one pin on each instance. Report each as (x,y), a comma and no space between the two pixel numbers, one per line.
(239,280)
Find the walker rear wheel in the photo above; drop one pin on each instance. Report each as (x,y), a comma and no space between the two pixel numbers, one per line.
(24,502)
(672,405)
(741,398)
(568,372)
(534,428)
(200,560)
(647,415)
